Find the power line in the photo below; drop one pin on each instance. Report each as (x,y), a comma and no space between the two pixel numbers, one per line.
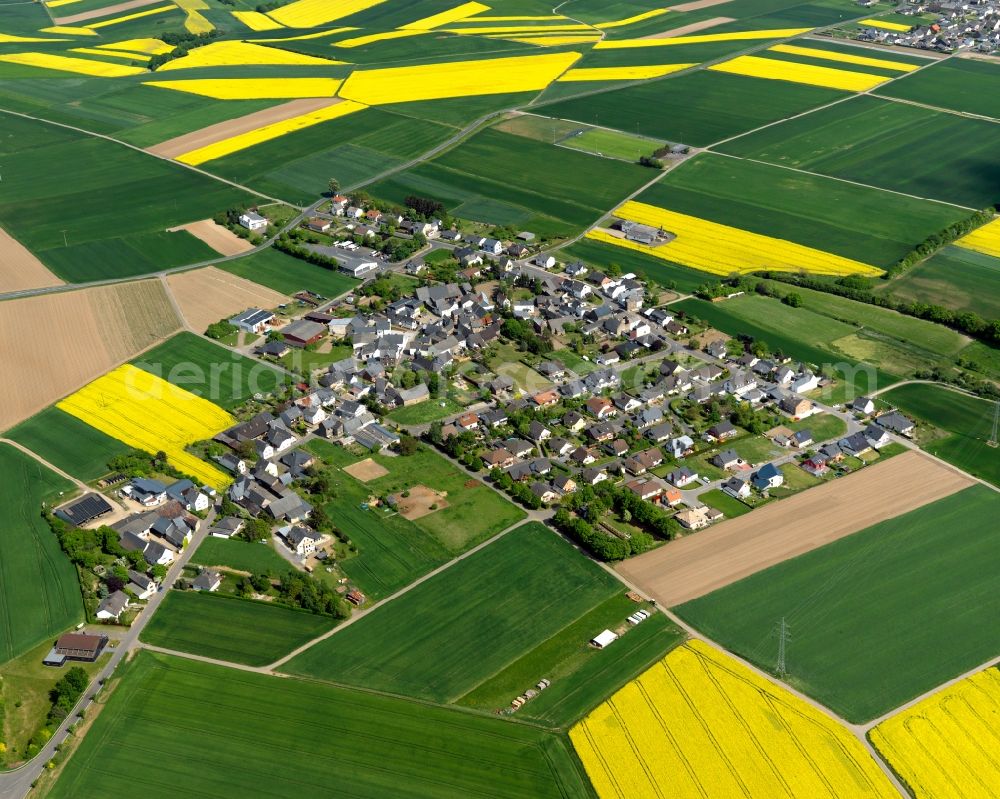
(996,423)
(784,635)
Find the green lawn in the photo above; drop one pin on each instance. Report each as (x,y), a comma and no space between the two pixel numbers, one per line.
(425,412)
(877,617)
(823,426)
(485,613)
(965,421)
(288,274)
(210,371)
(68,443)
(957,278)
(715,105)
(874,141)
(720,500)
(613,144)
(870,225)
(358,744)
(118,225)
(240,555)
(39,592)
(961,84)
(581,676)
(237,630)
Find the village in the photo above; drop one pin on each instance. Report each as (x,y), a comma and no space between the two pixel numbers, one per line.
(960,25)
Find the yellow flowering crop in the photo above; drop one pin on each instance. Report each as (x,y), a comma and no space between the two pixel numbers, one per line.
(10,38)
(304,36)
(70,30)
(456,78)
(889,26)
(520,29)
(104,23)
(57,3)
(244,140)
(446,17)
(623,73)
(312,13)
(232,54)
(110,53)
(545,18)
(773,69)
(946,745)
(81,66)
(699,724)
(722,250)
(846,58)
(985,239)
(552,41)
(253,88)
(146,412)
(197,22)
(256,21)
(621,23)
(372,38)
(777,33)
(149,46)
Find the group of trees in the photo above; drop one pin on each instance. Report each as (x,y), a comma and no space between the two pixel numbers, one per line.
(520,491)
(936,241)
(289,246)
(183,42)
(601,545)
(423,207)
(90,548)
(220,330)
(297,590)
(520,331)
(62,698)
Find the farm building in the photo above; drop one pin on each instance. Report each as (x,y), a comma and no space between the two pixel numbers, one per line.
(604,639)
(85,509)
(76,646)
(303,333)
(251,220)
(253,320)
(360,270)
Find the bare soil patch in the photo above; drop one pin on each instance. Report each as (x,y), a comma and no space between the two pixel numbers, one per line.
(219,238)
(52,345)
(20,269)
(202,137)
(366,470)
(419,502)
(207,295)
(694,27)
(710,559)
(107,11)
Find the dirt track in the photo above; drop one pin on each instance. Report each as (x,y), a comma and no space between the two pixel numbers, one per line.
(208,295)
(52,345)
(694,27)
(219,238)
(107,11)
(704,561)
(179,145)
(20,269)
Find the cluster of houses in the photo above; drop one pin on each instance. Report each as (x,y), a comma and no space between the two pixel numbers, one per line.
(971,25)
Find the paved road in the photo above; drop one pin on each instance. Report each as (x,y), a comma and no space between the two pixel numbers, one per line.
(15,784)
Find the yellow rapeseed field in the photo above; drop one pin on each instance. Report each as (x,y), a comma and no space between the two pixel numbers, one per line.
(889,26)
(141,57)
(621,23)
(699,724)
(846,58)
(304,36)
(81,66)
(446,17)
(57,3)
(372,38)
(244,140)
(985,239)
(146,412)
(10,38)
(519,29)
(776,33)
(253,88)
(947,745)
(70,30)
(552,41)
(105,23)
(256,21)
(722,250)
(623,73)
(148,46)
(456,79)
(313,13)
(234,54)
(773,69)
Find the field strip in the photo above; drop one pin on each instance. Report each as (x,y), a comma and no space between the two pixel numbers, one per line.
(929,107)
(697,5)
(20,269)
(107,11)
(51,467)
(219,238)
(694,27)
(705,561)
(204,296)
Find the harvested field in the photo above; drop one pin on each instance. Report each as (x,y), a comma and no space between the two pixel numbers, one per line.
(219,238)
(234,127)
(87,333)
(419,502)
(697,5)
(19,269)
(700,563)
(366,470)
(106,11)
(207,295)
(694,27)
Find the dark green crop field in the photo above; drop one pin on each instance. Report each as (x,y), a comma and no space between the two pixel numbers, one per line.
(956,278)
(39,592)
(601,255)
(961,84)
(289,275)
(876,142)
(454,631)
(222,728)
(238,630)
(878,617)
(209,370)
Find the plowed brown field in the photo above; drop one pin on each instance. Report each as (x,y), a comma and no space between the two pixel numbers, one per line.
(207,295)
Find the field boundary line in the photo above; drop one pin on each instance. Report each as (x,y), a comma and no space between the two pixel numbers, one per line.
(929,107)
